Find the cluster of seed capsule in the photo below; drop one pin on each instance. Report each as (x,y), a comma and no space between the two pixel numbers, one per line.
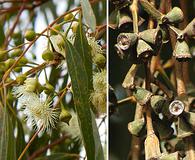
(139,48)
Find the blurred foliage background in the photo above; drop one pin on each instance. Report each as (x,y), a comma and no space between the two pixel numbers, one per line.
(119,136)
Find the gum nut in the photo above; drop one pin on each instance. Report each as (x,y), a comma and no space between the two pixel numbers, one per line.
(176,107)
(125,40)
(182,51)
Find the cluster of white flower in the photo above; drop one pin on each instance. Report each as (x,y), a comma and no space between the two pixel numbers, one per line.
(39,114)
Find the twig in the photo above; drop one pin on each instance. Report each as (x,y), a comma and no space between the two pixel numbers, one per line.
(45,148)
(29,143)
(6,41)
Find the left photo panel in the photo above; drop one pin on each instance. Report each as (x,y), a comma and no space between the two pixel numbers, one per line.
(53,80)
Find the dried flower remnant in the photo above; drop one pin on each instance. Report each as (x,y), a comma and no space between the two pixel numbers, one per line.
(95,47)
(98,96)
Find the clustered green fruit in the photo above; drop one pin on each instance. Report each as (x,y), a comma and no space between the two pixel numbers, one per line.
(30,35)
(74,27)
(23,61)
(57,27)
(9,62)
(47,55)
(17,38)
(65,116)
(68,17)
(21,78)
(16,52)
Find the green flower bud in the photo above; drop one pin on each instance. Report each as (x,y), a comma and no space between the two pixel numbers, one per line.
(16,52)
(17,37)
(23,61)
(55,27)
(30,35)
(18,69)
(9,62)
(65,116)
(31,84)
(100,60)
(68,17)
(40,88)
(48,88)
(21,78)
(47,55)
(74,27)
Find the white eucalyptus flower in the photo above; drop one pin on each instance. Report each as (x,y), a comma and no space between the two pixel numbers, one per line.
(39,114)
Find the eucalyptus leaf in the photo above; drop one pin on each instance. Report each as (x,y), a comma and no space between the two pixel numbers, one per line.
(7,140)
(80,83)
(20,142)
(81,44)
(88,14)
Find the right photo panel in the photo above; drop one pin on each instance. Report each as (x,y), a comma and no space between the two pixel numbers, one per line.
(151,80)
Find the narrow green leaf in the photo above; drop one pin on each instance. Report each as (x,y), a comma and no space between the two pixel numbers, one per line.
(7,140)
(20,142)
(81,44)
(79,80)
(88,14)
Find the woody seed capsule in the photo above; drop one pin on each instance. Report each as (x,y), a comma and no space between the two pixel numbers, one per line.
(176,107)
(173,16)
(125,40)
(182,51)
